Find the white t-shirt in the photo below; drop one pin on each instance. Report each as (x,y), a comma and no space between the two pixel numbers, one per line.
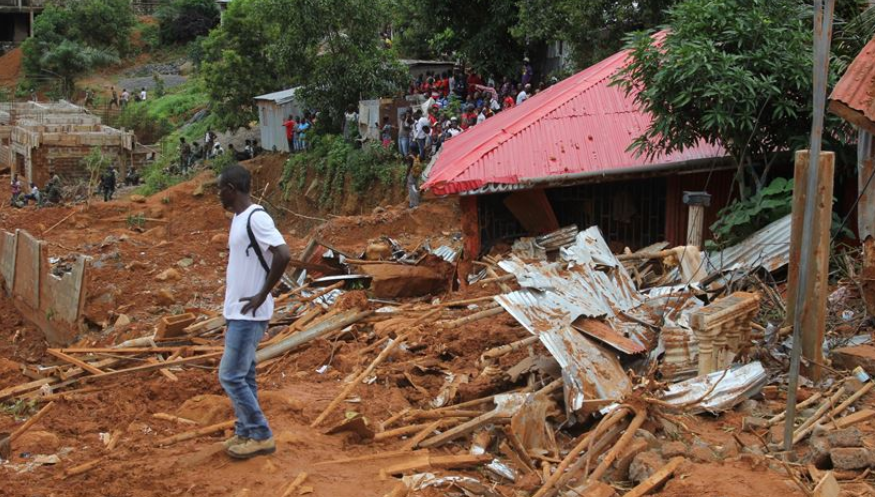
(521,97)
(245,276)
(419,133)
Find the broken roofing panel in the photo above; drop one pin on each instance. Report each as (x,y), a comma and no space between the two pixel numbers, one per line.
(555,295)
(588,371)
(732,387)
(768,248)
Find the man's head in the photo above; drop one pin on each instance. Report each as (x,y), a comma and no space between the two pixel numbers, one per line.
(234,185)
(418,113)
(528,87)
(181,139)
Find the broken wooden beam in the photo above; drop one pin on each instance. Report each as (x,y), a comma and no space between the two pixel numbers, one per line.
(338,322)
(299,480)
(207,430)
(72,360)
(656,479)
(352,385)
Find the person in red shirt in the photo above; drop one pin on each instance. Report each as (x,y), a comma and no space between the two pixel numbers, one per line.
(290,132)
(474,79)
(508,102)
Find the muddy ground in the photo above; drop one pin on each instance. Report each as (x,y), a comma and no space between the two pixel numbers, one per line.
(185,232)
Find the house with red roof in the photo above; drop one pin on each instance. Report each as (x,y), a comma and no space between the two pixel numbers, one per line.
(563,157)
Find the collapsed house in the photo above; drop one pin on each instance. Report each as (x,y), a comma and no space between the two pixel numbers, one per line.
(39,140)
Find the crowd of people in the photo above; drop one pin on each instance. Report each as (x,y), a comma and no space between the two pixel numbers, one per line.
(455,102)
(51,193)
(298,128)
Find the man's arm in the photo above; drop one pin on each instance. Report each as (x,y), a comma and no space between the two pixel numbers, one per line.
(281,258)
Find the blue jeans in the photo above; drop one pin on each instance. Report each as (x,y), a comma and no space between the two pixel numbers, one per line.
(237,376)
(404,145)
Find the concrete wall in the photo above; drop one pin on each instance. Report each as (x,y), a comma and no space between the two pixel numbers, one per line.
(52,302)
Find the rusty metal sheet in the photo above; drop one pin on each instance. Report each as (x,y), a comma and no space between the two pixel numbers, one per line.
(768,248)
(588,370)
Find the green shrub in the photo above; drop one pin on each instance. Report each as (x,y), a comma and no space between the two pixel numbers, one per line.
(147,126)
(334,161)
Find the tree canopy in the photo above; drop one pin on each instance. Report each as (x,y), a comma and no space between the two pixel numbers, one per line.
(65,43)
(331,48)
(737,73)
(185,20)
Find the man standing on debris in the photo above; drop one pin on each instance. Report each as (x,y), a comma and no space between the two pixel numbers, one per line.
(257,259)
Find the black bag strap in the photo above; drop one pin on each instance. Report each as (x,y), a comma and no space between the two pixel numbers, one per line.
(253,243)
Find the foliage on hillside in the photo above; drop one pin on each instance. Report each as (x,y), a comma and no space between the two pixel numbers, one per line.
(66,41)
(338,167)
(185,20)
(329,47)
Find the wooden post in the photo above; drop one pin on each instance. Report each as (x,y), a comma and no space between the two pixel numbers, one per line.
(470,226)
(814,314)
(866,215)
(696,217)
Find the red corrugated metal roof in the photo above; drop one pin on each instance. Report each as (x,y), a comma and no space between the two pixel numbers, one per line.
(579,125)
(856,89)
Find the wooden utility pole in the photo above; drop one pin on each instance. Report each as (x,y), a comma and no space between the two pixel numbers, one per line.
(808,253)
(814,312)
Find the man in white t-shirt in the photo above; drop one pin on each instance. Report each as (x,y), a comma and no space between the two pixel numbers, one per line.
(257,259)
(524,94)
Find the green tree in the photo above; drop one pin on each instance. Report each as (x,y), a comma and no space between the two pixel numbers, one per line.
(329,47)
(235,63)
(185,20)
(65,43)
(737,73)
(478,32)
(593,28)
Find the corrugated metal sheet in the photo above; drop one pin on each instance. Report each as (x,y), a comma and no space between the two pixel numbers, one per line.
(555,295)
(588,370)
(856,89)
(579,125)
(737,385)
(279,97)
(768,248)
(272,113)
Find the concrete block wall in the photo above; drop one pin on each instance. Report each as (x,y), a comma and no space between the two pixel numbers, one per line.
(53,303)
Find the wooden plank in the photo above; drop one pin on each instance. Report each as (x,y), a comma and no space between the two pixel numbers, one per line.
(437,462)
(142,350)
(290,490)
(603,332)
(151,367)
(207,430)
(464,429)
(656,479)
(72,360)
(376,457)
(827,487)
(852,419)
(358,379)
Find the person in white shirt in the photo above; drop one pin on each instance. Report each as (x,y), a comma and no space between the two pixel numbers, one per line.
(524,94)
(143,95)
(421,130)
(257,259)
(482,115)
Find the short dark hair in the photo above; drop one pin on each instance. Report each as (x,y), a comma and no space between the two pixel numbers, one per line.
(236,176)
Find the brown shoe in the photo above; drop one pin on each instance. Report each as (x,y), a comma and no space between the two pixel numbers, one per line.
(236,439)
(250,448)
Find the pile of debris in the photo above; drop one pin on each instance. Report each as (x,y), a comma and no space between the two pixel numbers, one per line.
(612,356)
